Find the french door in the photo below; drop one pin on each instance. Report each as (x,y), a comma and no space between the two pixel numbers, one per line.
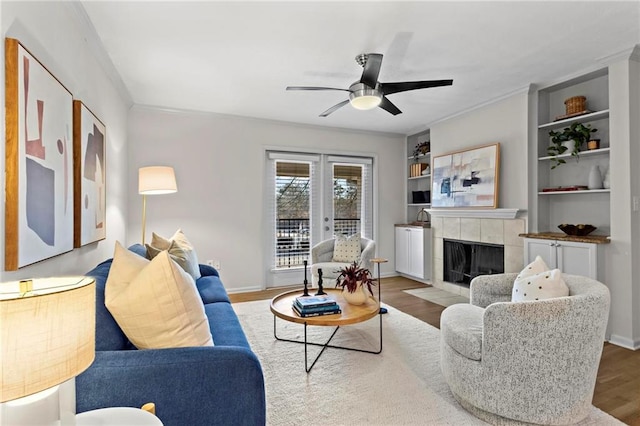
(312,197)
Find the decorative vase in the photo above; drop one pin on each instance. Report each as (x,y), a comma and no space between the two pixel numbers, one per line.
(593,144)
(606,182)
(358,297)
(595,178)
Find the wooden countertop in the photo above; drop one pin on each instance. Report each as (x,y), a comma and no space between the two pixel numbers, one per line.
(594,239)
(414,225)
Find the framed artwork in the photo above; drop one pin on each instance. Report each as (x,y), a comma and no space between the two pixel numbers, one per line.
(466,178)
(39,161)
(89,139)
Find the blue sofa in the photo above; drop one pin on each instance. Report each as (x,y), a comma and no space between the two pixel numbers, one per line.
(219,385)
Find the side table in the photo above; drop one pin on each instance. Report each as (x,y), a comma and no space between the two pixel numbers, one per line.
(378,261)
(117,416)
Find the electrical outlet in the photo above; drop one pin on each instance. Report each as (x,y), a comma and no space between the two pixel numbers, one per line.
(214,263)
(636,203)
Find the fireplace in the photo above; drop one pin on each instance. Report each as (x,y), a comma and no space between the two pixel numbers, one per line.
(464,260)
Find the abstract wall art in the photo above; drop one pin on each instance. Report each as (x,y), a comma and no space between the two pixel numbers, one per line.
(39,161)
(89,139)
(466,178)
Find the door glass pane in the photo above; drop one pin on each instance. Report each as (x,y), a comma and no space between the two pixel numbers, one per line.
(293,203)
(347,198)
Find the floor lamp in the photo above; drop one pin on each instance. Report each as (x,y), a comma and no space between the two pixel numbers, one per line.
(47,331)
(154,180)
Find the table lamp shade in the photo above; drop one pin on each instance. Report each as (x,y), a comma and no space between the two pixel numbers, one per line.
(47,336)
(156,180)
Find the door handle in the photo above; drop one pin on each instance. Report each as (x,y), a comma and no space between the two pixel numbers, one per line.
(326,228)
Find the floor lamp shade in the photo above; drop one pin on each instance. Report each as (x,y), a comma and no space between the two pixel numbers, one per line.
(47,333)
(156,180)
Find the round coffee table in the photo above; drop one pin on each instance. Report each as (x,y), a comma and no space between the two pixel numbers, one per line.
(281,307)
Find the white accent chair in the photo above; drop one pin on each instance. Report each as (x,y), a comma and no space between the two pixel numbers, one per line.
(322,258)
(533,361)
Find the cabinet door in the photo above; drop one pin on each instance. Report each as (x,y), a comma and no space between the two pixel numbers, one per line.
(416,252)
(577,258)
(402,250)
(546,249)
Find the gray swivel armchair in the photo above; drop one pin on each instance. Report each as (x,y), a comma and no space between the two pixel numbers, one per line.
(533,361)
(322,258)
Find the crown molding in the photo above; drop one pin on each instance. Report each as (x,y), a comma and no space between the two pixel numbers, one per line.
(631,53)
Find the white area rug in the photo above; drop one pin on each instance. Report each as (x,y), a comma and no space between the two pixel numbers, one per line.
(401,386)
(437,296)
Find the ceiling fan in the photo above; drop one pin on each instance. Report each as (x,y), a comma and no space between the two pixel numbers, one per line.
(369,93)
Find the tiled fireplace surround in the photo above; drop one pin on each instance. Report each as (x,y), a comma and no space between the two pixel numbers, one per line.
(484,230)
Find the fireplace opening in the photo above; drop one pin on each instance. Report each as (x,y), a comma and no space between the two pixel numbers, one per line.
(465,260)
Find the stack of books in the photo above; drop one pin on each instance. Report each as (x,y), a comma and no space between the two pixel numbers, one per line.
(312,306)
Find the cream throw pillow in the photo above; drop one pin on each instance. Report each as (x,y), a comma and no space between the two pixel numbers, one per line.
(346,249)
(180,249)
(537,282)
(155,302)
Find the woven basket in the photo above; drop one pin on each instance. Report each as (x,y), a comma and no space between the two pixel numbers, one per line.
(575,104)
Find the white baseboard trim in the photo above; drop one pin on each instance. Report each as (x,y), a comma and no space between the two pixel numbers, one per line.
(624,342)
(244,289)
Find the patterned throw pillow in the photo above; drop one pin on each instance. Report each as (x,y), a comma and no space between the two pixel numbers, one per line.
(346,249)
(537,282)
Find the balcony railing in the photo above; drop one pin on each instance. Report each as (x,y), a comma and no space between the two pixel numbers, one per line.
(293,239)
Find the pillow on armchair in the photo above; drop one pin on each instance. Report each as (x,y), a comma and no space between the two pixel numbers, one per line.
(346,249)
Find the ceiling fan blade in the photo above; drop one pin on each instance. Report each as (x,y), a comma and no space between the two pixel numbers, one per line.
(314,88)
(389,88)
(388,106)
(333,108)
(371,70)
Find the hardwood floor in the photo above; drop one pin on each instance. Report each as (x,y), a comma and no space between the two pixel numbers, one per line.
(617,390)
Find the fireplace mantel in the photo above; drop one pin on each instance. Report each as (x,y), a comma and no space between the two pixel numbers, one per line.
(475,213)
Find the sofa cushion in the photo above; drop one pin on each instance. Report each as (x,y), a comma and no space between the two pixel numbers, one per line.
(346,249)
(155,302)
(543,285)
(224,325)
(180,248)
(461,328)
(211,289)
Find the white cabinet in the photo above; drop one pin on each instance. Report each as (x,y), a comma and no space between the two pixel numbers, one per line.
(413,251)
(569,256)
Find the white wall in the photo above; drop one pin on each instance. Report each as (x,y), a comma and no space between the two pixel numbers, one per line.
(53,33)
(503,121)
(219,164)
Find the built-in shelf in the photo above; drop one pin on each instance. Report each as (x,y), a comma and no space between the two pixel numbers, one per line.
(419,156)
(420,177)
(475,213)
(600,151)
(592,116)
(582,192)
(419,204)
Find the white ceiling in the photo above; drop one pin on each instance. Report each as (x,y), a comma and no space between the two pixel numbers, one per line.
(238,57)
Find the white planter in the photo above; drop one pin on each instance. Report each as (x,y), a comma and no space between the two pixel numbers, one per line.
(358,297)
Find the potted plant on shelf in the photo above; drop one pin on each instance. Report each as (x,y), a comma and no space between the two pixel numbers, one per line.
(353,279)
(571,139)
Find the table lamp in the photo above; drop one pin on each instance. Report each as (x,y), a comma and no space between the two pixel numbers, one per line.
(154,180)
(47,338)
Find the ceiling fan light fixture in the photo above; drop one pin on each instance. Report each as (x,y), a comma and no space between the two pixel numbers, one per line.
(363,97)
